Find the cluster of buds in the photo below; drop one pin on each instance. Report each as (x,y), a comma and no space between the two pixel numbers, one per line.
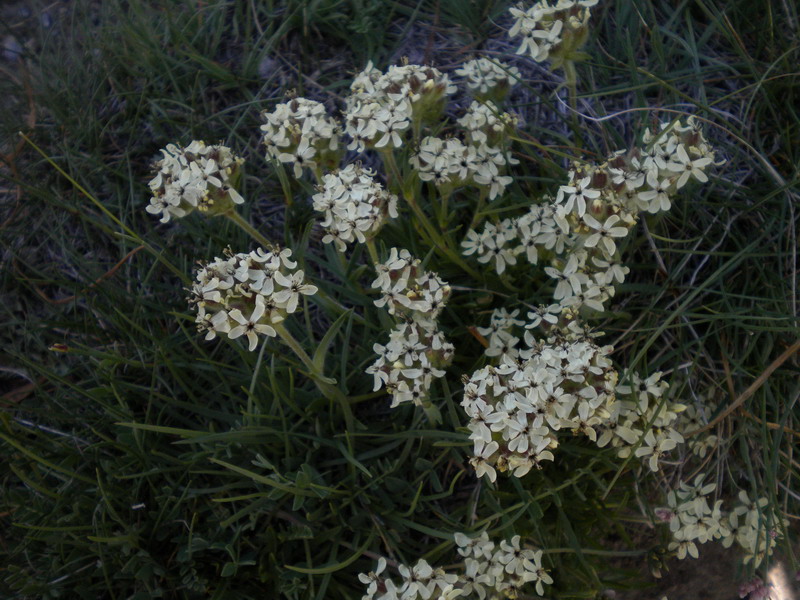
(450,163)
(493,571)
(516,409)
(488,79)
(247,294)
(354,204)
(417,352)
(382,107)
(301,134)
(552,31)
(198,177)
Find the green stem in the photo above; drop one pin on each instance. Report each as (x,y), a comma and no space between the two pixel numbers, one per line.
(571,74)
(443,209)
(390,164)
(324,384)
(479,208)
(249,229)
(373,251)
(434,238)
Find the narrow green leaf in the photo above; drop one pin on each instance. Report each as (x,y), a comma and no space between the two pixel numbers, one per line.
(325,342)
(338,566)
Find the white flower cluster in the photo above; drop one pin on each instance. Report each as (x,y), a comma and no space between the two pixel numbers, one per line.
(354,204)
(617,415)
(644,410)
(247,294)
(451,163)
(195,177)
(554,31)
(755,526)
(383,106)
(517,408)
(692,520)
(499,571)
(503,242)
(484,123)
(692,419)
(487,77)
(301,134)
(490,571)
(598,207)
(579,230)
(416,352)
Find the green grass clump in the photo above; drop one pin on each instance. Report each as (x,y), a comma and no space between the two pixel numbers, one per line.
(141,461)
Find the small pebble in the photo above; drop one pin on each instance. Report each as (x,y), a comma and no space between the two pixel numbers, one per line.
(12,50)
(267,67)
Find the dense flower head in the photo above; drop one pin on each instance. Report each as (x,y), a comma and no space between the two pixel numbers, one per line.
(485,123)
(451,163)
(246,294)
(503,570)
(383,106)
(199,177)
(582,228)
(694,518)
(354,204)
(517,407)
(301,134)
(565,381)
(408,290)
(407,364)
(417,352)
(552,30)
(487,78)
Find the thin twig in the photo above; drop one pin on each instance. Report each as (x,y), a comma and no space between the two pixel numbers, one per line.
(754,387)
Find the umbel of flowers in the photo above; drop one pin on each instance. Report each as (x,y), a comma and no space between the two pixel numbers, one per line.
(417,352)
(299,133)
(552,30)
(355,206)
(198,177)
(693,520)
(490,572)
(565,380)
(597,207)
(488,80)
(383,107)
(248,294)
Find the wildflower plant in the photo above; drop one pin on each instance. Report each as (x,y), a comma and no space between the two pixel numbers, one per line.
(429,387)
(546,378)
